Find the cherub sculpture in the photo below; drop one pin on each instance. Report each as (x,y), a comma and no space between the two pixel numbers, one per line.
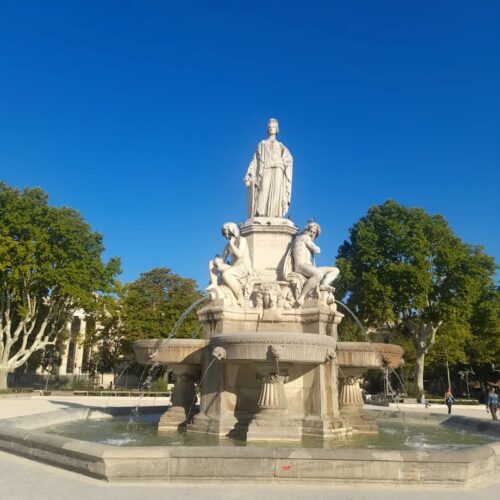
(238,274)
(306,276)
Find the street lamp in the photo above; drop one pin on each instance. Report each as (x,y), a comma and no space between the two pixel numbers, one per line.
(466,373)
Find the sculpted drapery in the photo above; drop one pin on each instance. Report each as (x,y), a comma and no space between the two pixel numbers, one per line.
(269,177)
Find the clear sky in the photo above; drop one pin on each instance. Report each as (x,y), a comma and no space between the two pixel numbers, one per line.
(144,115)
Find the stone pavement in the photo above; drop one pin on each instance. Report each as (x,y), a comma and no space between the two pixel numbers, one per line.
(475,411)
(20,405)
(22,479)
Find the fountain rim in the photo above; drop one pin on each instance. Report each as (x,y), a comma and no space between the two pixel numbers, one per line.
(180,463)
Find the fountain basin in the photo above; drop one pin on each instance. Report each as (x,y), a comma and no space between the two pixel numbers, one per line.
(169,351)
(358,355)
(307,348)
(368,355)
(26,437)
(392,354)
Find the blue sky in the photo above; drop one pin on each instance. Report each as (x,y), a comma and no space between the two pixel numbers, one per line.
(144,115)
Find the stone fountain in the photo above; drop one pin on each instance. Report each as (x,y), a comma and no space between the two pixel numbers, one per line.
(269,362)
(268,368)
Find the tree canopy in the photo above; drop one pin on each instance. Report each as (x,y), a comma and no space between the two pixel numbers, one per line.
(50,265)
(483,348)
(153,303)
(406,269)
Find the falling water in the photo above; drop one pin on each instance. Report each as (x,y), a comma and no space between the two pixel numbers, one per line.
(193,403)
(355,318)
(399,378)
(116,380)
(122,372)
(196,332)
(144,382)
(183,316)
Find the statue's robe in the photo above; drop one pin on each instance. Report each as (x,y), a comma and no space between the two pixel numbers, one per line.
(271,189)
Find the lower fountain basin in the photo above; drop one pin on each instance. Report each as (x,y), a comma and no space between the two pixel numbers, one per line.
(358,355)
(392,354)
(27,437)
(169,351)
(368,355)
(307,348)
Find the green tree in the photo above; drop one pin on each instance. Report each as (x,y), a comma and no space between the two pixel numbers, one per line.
(105,339)
(404,269)
(349,331)
(483,348)
(449,349)
(153,303)
(50,265)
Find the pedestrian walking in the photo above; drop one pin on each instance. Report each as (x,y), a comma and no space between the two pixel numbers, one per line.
(424,401)
(449,399)
(492,403)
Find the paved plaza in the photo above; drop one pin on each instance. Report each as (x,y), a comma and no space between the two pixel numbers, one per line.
(21,478)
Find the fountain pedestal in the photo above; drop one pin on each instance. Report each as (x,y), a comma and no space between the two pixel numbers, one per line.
(272,421)
(183,356)
(351,400)
(183,398)
(269,239)
(354,359)
(269,386)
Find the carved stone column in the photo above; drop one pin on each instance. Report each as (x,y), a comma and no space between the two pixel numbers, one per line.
(351,401)
(183,398)
(271,421)
(272,398)
(350,392)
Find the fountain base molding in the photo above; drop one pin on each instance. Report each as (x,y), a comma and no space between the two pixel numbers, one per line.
(173,420)
(266,428)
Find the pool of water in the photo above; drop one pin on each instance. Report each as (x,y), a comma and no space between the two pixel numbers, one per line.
(393,435)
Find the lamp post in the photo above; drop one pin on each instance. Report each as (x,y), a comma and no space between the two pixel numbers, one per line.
(466,373)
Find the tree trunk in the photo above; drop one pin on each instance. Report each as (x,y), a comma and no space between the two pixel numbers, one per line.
(419,370)
(3,378)
(424,337)
(448,373)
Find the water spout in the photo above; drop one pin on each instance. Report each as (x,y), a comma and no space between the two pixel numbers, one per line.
(354,317)
(183,316)
(190,411)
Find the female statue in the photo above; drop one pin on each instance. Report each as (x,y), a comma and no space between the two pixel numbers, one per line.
(269,177)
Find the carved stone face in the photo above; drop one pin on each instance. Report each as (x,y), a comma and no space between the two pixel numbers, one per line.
(313,231)
(268,299)
(229,229)
(272,128)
